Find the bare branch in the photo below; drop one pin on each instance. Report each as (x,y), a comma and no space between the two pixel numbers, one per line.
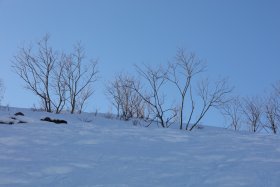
(212,97)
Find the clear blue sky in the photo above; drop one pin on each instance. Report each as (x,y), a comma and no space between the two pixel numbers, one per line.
(239,39)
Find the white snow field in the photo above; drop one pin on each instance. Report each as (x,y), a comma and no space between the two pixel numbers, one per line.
(93,151)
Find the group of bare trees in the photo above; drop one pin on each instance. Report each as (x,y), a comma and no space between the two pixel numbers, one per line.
(65,81)
(60,80)
(259,114)
(196,95)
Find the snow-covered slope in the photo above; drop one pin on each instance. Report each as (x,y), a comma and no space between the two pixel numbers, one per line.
(93,151)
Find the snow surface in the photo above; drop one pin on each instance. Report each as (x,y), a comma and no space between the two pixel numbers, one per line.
(94,151)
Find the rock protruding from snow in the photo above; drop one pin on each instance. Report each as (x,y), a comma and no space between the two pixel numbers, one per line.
(57,121)
(10,120)
(19,114)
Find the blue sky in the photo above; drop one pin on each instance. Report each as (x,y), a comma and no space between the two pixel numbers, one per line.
(239,39)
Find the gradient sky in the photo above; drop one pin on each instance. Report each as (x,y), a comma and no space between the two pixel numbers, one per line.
(239,39)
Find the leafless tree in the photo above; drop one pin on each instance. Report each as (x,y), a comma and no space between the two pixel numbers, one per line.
(2,90)
(59,86)
(156,79)
(272,110)
(181,74)
(79,78)
(252,110)
(276,88)
(35,69)
(214,96)
(113,91)
(125,99)
(135,103)
(233,111)
(272,114)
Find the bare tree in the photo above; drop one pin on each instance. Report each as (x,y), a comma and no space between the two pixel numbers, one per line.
(125,99)
(2,90)
(233,111)
(113,91)
(79,78)
(252,110)
(59,86)
(156,79)
(272,115)
(272,110)
(181,74)
(276,88)
(35,69)
(211,97)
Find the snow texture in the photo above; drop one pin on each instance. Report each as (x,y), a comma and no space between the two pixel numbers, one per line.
(96,152)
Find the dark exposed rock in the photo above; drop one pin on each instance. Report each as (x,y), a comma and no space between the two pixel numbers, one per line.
(46,119)
(22,121)
(19,114)
(7,123)
(57,121)
(12,120)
